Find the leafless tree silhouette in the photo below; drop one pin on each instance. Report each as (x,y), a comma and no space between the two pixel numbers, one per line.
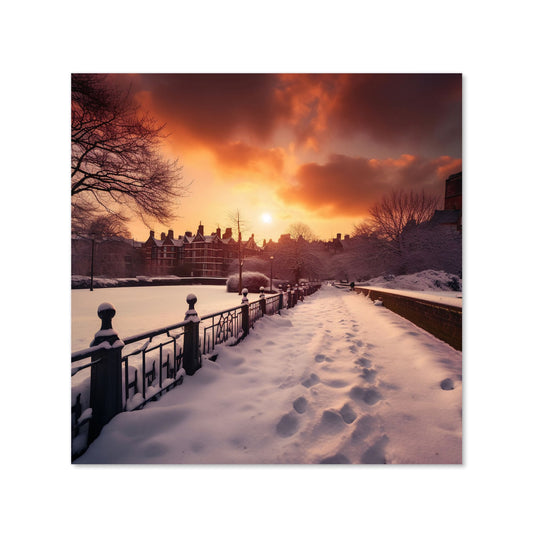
(389,217)
(117,166)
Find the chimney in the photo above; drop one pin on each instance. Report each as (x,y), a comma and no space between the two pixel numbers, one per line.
(163,235)
(152,234)
(188,234)
(227,234)
(200,229)
(338,236)
(171,234)
(218,233)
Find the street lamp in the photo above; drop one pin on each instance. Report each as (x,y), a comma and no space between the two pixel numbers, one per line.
(92,259)
(271,260)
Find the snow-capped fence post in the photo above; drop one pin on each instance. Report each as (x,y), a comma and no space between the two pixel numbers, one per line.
(262,301)
(191,338)
(106,373)
(245,313)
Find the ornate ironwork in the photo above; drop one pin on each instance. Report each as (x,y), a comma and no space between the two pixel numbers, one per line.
(155,363)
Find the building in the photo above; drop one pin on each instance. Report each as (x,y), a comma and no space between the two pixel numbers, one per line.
(453,195)
(452,214)
(194,255)
(110,256)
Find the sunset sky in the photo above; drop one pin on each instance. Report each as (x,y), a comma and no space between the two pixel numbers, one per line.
(284,148)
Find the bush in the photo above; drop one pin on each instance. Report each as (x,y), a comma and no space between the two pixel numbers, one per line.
(252,281)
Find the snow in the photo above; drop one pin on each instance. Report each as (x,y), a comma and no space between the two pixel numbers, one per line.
(140,309)
(334,380)
(433,296)
(432,281)
(430,285)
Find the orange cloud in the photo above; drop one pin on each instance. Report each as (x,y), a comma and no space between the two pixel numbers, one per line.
(348,186)
(238,157)
(256,127)
(396,109)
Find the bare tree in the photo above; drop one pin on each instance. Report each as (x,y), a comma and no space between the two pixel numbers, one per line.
(297,257)
(240,225)
(389,217)
(101,227)
(299,230)
(116,160)
(401,237)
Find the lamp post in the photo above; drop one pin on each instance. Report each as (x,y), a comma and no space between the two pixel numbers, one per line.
(271,261)
(92,259)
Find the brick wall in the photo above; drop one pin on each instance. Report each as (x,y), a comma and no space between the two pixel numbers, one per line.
(441,320)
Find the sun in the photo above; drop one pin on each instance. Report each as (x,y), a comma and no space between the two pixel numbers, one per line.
(266,218)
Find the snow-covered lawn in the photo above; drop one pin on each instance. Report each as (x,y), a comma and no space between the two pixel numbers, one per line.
(335,380)
(141,309)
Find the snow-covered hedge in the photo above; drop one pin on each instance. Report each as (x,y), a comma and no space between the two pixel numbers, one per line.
(84,282)
(428,280)
(252,281)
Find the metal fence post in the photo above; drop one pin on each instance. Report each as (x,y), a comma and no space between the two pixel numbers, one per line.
(280,302)
(191,338)
(106,373)
(262,301)
(245,313)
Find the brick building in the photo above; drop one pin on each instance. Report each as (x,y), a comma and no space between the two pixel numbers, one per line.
(194,255)
(452,214)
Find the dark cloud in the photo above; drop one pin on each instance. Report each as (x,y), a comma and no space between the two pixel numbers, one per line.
(236,117)
(396,108)
(347,186)
(405,111)
(216,107)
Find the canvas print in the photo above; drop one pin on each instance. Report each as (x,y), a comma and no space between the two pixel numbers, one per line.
(266,268)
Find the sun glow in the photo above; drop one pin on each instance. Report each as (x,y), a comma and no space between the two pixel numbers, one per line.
(266,218)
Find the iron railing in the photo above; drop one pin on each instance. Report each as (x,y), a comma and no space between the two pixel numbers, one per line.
(106,381)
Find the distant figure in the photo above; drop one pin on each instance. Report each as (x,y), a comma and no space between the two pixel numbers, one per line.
(352,286)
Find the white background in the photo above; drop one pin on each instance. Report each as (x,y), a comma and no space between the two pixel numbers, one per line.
(42,43)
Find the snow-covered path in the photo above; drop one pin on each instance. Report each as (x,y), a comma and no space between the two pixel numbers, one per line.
(337,379)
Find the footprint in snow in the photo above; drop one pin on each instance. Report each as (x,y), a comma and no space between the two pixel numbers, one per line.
(347,413)
(336,383)
(313,379)
(331,422)
(337,459)
(155,449)
(375,455)
(447,384)
(368,375)
(287,426)
(369,395)
(320,358)
(364,362)
(300,405)
(364,427)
